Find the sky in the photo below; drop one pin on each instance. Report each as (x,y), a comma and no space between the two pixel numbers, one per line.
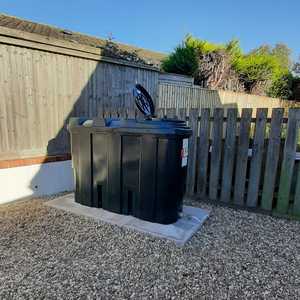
(162,24)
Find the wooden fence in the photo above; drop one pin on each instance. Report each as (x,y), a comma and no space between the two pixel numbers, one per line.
(41,87)
(244,161)
(180,96)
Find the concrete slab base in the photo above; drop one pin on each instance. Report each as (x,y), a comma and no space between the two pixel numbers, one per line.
(180,232)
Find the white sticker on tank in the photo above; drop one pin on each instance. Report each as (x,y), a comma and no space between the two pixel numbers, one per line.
(184,152)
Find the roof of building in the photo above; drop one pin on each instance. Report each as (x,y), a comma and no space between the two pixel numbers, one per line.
(150,57)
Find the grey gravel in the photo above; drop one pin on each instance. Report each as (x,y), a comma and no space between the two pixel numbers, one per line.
(48,253)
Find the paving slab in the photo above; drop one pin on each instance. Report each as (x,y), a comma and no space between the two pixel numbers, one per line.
(180,232)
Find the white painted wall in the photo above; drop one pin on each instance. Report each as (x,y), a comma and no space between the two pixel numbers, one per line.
(35,180)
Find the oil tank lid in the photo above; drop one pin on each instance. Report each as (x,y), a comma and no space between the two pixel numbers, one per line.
(143,101)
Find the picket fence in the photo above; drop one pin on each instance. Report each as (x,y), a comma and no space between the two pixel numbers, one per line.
(244,161)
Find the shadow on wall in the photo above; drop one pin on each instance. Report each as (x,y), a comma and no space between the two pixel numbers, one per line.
(108,88)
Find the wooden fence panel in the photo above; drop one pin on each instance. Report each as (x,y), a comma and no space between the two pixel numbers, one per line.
(256,158)
(40,90)
(203,148)
(229,155)
(178,96)
(242,157)
(216,151)
(288,162)
(272,158)
(191,170)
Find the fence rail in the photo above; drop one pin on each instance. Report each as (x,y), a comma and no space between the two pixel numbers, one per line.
(244,161)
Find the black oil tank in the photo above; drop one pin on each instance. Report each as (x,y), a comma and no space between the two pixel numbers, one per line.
(132,167)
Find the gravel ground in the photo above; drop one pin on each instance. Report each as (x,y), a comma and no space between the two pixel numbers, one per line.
(48,253)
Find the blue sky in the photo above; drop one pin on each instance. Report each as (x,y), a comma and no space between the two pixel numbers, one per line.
(161,25)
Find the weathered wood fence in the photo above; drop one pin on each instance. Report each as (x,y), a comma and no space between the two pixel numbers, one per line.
(244,161)
(183,96)
(40,89)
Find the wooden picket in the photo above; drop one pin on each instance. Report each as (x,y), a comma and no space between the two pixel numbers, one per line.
(242,157)
(191,170)
(272,158)
(216,151)
(229,155)
(203,150)
(257,156)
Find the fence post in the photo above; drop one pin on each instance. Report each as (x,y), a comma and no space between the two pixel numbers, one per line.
(216,151)
(272,158)
(257,155)
(203,149)
(229,154)
(288,162)
(242,157)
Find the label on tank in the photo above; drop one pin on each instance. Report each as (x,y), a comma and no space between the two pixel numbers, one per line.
(184,152)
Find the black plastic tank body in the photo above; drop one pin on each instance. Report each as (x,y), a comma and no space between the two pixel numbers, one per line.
(132,167)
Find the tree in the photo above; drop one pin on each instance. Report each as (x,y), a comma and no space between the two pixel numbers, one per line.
(283,54)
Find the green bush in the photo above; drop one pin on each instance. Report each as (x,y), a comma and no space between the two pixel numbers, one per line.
(282,87)
(234,49)
(205,47)
(254,67)
(202,46)
(182,61)
(264,64)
